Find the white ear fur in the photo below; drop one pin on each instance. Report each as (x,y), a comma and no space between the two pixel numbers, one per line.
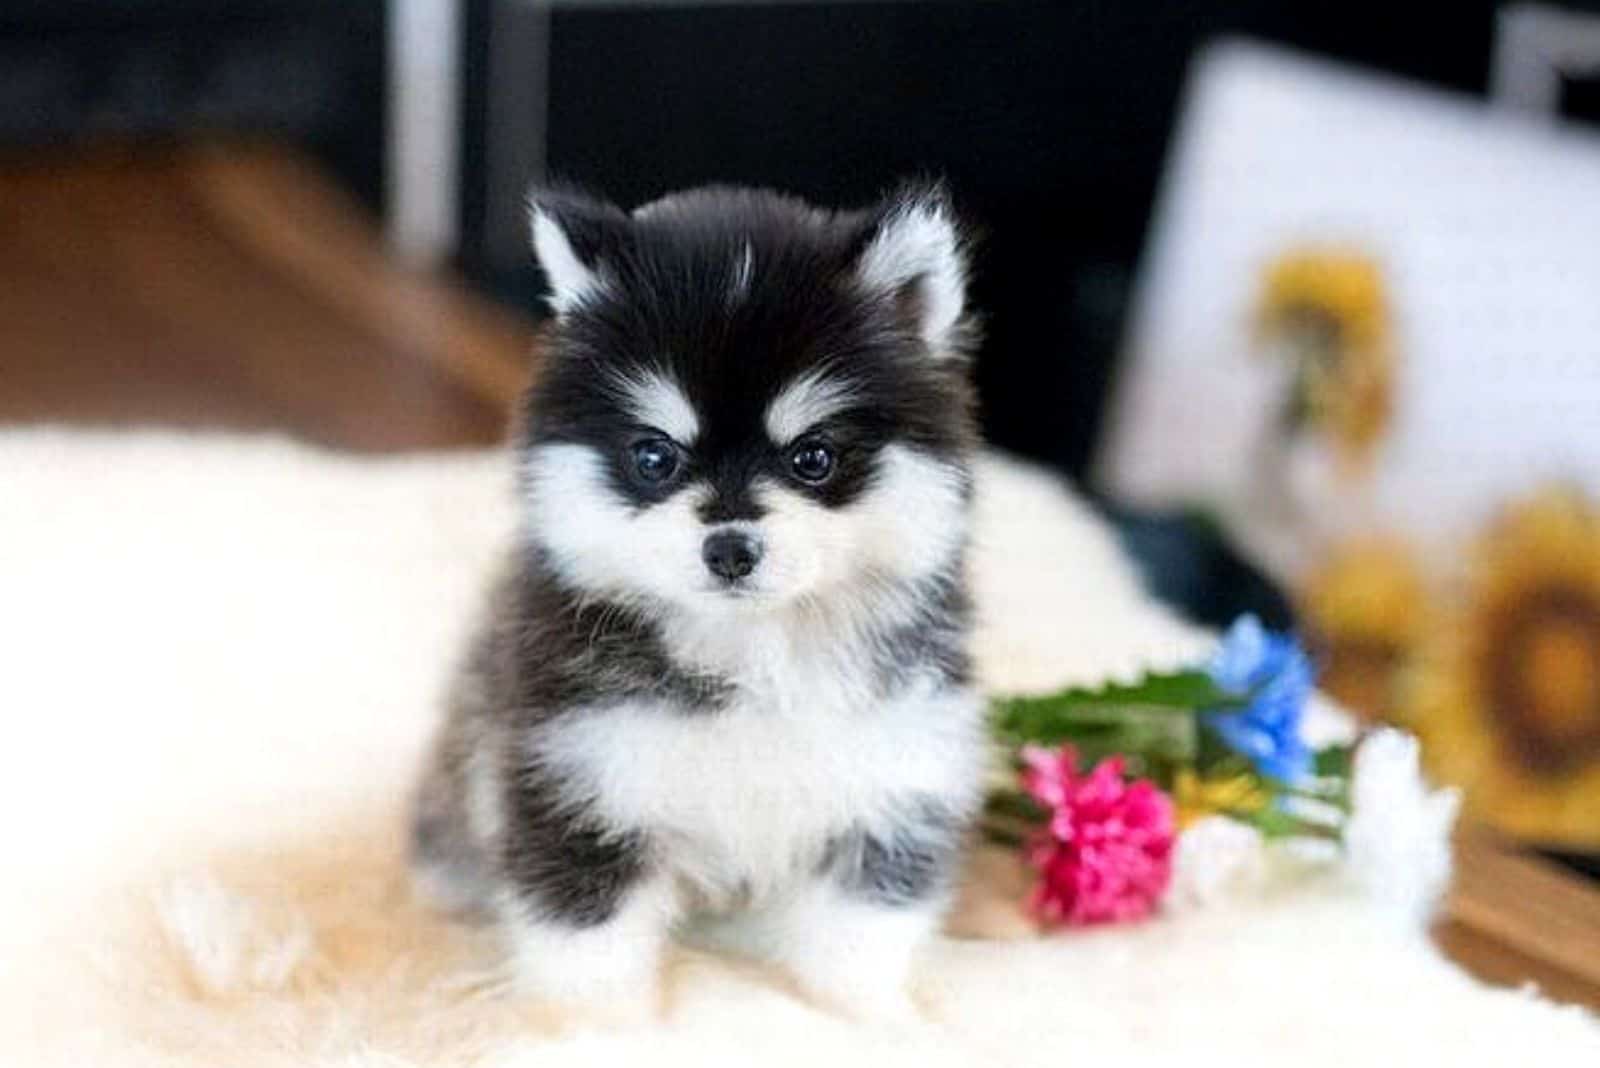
(571,280)
(917,243)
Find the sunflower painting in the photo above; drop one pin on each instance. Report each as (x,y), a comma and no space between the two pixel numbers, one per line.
(1506,697)
(1374,427)
(1365,609)
(1325,310)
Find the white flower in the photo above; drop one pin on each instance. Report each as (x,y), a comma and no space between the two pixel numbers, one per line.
(1397,843)
(1217,858)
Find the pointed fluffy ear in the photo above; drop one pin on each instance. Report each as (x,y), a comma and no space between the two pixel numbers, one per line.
(914,250)
(571,236)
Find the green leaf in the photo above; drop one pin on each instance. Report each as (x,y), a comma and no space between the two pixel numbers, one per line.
(1334,762)
(1071,713)
(1014,805)
(1175,690)
(1215,758)
(1152,722)
(1001,834)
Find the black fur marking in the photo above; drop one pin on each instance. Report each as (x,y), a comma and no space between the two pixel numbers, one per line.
(934,642)
(564,653)
(571,651)
(566,863)
(907,865)
(544,654)
(668,306)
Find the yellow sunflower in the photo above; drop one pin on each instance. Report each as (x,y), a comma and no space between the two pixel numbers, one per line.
(1365,609)
(1327,308)
(1507,701)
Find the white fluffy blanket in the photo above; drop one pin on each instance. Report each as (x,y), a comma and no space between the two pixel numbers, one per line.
(222,656)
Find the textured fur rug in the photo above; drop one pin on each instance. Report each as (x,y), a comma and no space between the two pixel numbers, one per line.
(221,659)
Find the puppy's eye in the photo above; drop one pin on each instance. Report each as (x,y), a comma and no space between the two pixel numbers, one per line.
(812,461)
(655,460)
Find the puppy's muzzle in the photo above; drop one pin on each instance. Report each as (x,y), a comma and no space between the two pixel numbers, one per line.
(731,554)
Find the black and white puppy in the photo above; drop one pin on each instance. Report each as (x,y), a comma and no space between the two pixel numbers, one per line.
(725,671)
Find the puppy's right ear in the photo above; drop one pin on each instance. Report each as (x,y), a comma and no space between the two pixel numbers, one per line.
(572,236)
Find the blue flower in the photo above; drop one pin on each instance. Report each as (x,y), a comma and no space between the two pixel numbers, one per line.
(1272,674)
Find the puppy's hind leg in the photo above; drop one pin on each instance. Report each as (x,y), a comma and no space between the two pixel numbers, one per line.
(457,819)
(450,859)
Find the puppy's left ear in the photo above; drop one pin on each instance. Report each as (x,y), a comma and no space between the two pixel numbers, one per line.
(914,252)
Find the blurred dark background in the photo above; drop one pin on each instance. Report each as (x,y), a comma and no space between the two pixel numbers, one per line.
(314,72)
(1050,121)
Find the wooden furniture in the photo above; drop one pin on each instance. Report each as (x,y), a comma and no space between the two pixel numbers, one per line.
(233,287)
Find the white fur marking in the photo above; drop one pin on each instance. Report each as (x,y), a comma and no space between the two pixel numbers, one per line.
(804,403)
(596,539)
(606,965)
(908,525)
(571,281)
(918,243)
(914,514)
(656,401)
(809,749)
(851,954)
(743,272)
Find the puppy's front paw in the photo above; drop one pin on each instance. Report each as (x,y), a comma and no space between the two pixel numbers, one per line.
(601,977)
(854,957)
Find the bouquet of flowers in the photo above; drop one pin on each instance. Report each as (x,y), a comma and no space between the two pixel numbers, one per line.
(1105,779)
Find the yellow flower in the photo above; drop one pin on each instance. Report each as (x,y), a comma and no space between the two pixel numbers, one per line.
(1507,700)
(1343,284)
(1365,609)
(1197,798)
(1327,308)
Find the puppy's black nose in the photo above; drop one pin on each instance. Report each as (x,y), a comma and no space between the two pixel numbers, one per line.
(731,554)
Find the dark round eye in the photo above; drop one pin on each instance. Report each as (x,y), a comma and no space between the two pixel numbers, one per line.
(812,461)
(655,460)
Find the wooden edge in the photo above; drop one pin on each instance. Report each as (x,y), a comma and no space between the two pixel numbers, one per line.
(1506,906)
(282,209)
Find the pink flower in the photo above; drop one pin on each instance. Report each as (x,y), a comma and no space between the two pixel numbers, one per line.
(1106,854)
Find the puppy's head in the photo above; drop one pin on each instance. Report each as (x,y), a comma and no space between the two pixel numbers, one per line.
(749,403)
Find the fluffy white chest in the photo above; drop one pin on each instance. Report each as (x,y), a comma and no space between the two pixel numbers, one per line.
(745,796)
